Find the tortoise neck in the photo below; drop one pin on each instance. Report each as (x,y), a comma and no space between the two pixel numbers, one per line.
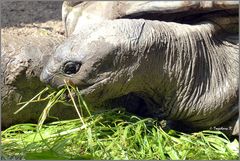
(194,66)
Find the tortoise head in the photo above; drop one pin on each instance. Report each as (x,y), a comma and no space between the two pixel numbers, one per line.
(96,60)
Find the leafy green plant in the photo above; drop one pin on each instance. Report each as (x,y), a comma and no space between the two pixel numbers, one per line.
(111,135)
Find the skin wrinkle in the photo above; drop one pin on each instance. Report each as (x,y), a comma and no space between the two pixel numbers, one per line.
(172,58)
(160,41)
(195,90)
(208,60)
(172,73)
(221,99)
(204,75)
(203,51)
(132,42)
(187,78)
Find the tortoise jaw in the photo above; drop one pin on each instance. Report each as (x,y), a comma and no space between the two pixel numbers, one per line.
(70,83)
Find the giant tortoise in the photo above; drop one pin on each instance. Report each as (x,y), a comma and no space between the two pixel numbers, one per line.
(175,60)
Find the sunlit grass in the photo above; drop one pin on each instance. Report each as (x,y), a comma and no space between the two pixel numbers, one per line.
(110,135)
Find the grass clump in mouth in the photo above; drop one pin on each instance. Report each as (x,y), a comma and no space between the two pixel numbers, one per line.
(109,135)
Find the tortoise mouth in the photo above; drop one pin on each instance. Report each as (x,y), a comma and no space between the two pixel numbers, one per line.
(79,86)
(184,17)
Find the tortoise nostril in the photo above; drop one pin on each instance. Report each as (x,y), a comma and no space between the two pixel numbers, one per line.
(71,67)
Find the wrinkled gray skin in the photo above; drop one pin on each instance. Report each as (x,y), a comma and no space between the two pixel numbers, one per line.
(185,73)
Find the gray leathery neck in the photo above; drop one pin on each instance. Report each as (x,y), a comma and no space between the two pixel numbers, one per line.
(197,70)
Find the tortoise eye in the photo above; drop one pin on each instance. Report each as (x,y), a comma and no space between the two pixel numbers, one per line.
(71,67)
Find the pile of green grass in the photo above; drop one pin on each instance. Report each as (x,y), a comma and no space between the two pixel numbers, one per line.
(110,135)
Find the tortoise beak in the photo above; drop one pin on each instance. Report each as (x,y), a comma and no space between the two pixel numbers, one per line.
(46,77)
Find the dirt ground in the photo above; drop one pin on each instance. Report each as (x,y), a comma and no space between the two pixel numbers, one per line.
(32,17)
